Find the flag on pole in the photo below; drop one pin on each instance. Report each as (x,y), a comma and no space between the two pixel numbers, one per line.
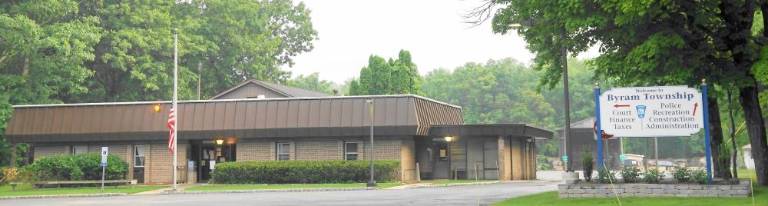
(172,129)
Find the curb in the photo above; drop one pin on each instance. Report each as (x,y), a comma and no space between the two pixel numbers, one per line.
(63,196)
(453,184)
(269,190)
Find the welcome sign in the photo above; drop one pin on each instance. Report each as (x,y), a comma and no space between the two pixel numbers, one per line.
(665,111)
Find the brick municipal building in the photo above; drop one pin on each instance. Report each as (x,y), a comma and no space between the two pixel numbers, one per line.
(262,121)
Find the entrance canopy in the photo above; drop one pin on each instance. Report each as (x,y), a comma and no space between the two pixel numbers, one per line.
(469,130)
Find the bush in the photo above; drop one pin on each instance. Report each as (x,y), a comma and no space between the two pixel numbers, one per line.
(699,176)
(653,176)
(2,175)
(587,164)
(303,171)
(605,176)
(630,174)
(682,174)
(542,163)
(76,167)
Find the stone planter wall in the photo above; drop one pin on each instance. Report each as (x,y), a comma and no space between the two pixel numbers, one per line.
(582,189)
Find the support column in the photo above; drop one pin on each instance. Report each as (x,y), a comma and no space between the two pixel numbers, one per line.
(517,158)
(505,159)
(408,160)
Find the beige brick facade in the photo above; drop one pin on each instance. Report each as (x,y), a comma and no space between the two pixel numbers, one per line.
(50,150)
(317,148)
(158,167)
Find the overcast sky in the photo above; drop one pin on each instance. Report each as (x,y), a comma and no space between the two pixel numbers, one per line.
(432,30)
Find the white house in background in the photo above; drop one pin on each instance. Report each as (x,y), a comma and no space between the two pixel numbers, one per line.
(748,161)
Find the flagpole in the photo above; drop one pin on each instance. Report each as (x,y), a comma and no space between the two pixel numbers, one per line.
(175,100)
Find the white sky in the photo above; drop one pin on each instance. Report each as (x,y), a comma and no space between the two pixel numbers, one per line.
(432,30)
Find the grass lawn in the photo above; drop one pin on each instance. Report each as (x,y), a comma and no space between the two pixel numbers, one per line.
(225,187)
(28,190)
(551,198)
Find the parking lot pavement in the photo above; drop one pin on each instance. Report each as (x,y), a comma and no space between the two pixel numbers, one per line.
(455,195)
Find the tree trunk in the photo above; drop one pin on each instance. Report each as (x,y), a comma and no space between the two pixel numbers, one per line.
(748,97)
(734,148)
(721,164)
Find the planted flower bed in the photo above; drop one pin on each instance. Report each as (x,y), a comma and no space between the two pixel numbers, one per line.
(684,183)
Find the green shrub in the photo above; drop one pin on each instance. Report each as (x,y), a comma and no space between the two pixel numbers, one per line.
(542,163)
(303,171)
(587,164)
(605,176)
(76,167)
(682,174)
(699,176)
(653,176)
(2,175)
(630,174)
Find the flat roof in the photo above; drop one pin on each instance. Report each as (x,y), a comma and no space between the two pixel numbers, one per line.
(469,130)
(247,118)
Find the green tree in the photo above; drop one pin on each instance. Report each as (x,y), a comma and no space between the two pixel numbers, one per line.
(312,82)
(651,43)
(54,51)
(398,76)
(44,47)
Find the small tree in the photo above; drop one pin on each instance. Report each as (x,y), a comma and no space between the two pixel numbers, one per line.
(587,163)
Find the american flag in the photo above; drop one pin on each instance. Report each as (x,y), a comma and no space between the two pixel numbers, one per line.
(172,129)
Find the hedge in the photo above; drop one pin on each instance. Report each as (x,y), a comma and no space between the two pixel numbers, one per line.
(2,175)
(303,171)
(76,167)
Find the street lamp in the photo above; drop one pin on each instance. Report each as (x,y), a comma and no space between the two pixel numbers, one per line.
(372,181)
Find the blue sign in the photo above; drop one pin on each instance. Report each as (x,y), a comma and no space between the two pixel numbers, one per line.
(640,111)
(104,154)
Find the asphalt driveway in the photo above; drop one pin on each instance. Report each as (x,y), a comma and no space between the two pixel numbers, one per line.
(455,195)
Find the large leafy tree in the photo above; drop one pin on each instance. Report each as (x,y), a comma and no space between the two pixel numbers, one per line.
(651,42)
(393,76)
(54,51)
(505,91)
(44,45)
(221,43)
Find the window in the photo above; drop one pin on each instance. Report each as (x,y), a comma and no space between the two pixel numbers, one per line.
(139,152)
(351,150)
(283,151)
(79,149)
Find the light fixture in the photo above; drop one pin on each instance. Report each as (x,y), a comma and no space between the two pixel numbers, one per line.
(156,108)
(219,141)
(448,139)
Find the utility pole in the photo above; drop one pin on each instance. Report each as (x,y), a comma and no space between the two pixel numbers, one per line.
(566,99)
(372,181)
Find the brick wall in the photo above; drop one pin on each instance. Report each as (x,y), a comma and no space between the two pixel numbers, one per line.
(42,151)
(158,167)
(316,149)
(654,190)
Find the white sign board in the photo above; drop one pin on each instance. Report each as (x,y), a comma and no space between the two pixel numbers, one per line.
(666,111)
(104,153)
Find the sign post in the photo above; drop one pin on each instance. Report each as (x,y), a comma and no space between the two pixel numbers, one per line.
(598,129)
(663,111)
(104,154)
(708,148)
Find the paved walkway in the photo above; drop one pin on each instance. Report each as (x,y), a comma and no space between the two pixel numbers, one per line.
(456,195)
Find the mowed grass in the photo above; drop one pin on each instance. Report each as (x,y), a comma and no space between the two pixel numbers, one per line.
(28,190)
(231,187)
(551,198)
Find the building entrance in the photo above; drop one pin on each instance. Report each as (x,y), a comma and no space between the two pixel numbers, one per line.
(206,154)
